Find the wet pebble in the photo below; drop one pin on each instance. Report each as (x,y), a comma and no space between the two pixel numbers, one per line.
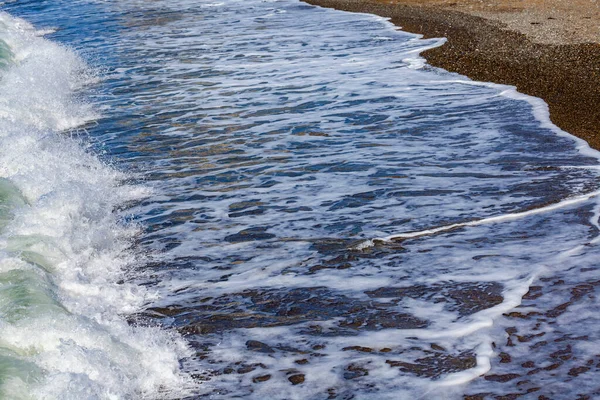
(296,379)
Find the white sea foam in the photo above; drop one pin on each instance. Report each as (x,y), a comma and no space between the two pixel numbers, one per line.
(65,254)
(318,143)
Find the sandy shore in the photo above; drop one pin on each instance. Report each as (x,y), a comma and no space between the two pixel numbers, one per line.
(546,48)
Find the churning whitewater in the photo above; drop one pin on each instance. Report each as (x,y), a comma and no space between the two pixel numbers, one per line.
(64,248)
(263,199)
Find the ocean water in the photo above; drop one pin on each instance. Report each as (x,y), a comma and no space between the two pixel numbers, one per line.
(269,200)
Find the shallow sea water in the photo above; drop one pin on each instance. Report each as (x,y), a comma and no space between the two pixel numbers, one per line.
(291,204)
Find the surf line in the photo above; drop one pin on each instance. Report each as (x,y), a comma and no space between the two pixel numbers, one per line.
(491,220)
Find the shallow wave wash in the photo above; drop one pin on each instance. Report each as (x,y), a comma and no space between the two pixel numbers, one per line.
(290,204)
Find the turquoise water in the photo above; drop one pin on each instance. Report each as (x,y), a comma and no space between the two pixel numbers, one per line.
(265,199)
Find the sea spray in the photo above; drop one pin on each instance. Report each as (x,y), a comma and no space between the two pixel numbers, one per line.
(65,251)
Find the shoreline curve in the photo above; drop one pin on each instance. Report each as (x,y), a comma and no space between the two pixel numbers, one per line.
(563,70)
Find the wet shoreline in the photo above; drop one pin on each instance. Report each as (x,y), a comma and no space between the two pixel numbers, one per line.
(565,76)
